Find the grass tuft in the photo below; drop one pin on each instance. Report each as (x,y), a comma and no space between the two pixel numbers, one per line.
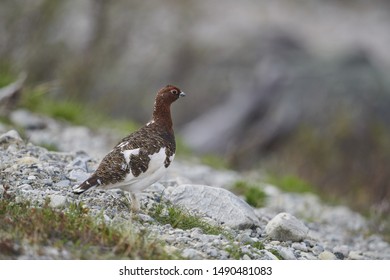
(253,194)
(179,217)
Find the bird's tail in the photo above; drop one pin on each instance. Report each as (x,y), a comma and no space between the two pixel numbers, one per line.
(91,182)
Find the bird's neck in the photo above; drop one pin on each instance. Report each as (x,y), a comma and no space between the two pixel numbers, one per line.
(162,115)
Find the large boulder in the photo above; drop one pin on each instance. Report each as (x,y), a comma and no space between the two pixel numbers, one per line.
(216,203)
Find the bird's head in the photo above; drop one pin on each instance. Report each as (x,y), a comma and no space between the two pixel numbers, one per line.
(169,94)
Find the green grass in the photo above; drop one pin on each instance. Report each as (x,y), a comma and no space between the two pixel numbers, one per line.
(179,217)
(85,237)
(258,245)
(253,194)
(291,183)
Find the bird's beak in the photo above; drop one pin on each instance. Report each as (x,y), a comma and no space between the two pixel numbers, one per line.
(182,94)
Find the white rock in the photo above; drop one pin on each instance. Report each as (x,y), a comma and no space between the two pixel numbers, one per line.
(354,255)
(326,255)
(58,201)
(217,203)
(10,136)
(27,120)
(285,226)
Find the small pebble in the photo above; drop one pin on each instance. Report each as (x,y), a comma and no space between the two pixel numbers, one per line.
(326,255)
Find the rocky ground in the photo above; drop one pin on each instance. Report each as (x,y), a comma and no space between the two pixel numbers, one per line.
(290,226)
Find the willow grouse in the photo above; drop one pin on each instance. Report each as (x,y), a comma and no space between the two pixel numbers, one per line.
(141,158)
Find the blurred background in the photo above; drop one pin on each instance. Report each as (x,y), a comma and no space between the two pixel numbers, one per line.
(295,89)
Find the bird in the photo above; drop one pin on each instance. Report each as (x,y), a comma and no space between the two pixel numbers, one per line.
(141,158)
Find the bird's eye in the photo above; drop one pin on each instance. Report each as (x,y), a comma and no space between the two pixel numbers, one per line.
(174,91)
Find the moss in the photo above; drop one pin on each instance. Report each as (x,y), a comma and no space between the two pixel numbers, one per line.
(72,230)
(253,194)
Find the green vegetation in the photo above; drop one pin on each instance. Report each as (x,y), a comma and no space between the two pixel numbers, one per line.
(179,217)
(258,245)
(85,237)
(49,147)
(6,76)
(234,251)
(291,183)
(214,161)
(38,100)
(276,254)
(253,194)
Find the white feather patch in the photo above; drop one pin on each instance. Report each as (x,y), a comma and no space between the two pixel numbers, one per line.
(155,171)
(121,145)
(149,123)
(128,153)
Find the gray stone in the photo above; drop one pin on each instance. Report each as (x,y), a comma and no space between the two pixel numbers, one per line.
(63,183)
(192,254)
(300,246)
(244,238)
(212,252)
(58,201)
(284,227)
(286,253)
(78,175)
(269,255)
(342,249)
(27,120)
(145,218)
(26,187)
(318,249)
(219,204)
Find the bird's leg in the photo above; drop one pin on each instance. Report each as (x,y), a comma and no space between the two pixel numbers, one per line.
(134,203)
(132,200)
